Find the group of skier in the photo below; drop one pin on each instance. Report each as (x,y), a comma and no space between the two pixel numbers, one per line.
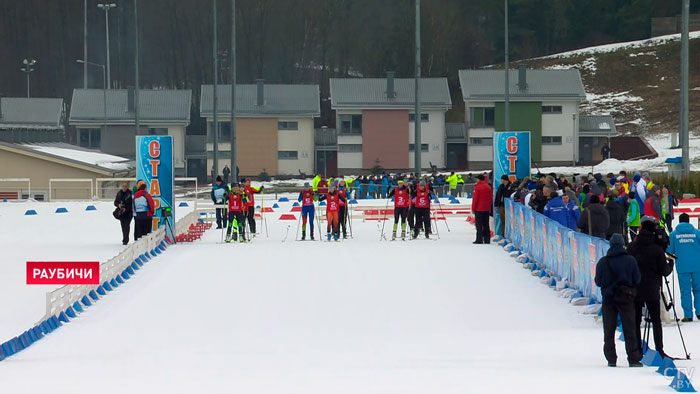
(240,201)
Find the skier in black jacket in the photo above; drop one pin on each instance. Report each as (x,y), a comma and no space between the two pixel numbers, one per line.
(123,202)
(618,268)
(617,215)
(651,259)
(599,219)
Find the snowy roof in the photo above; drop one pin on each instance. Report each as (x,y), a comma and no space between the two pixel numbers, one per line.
(597,126)
(541,84)
(371,92)
(155,106)
(76,155)
(22,112)
(291,100)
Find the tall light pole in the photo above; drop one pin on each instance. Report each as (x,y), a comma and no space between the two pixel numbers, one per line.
(684,126)
(234,164)
(28,68)
(507,82)
(106,8)
(85,43)
(136,67)
(216,123)
(417,118)
(104,92)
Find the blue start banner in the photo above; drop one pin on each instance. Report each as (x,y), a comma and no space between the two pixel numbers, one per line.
(154,165)
(511,157)
(568,254)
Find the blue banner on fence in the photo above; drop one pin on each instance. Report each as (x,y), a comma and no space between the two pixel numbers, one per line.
(568,254)
(154,165)
(511,157)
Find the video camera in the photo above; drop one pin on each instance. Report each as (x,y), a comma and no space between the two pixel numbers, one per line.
(166,212)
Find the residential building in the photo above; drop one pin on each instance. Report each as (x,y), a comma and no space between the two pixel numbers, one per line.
(543,102)
(594,131)
(31,119)
(112,128)
(57,171)
(274,127)
(375,122)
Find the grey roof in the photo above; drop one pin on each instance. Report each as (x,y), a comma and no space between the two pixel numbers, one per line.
(40,112)
(291,100)
(111,168)
(371,92)
(155,106)
(541,84)
(596,126)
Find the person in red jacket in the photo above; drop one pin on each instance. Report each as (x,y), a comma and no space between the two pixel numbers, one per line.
(250,191)
(343,211)
(236,213)
(421,201)
(332,208)
(482,200)
(402,201)
(144,209)
(652,205)
(322,187)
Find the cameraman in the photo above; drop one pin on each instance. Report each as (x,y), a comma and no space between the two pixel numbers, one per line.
(651,259)
(685,245)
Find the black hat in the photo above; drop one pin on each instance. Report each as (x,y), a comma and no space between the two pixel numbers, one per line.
(684,218)
(505,177)
(594,199)
(218,178)
(480,177)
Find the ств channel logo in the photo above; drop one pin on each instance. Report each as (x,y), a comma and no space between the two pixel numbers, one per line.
(63,272)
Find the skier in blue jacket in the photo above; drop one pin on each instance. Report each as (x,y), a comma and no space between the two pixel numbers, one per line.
(218,196)
(685,245)
(556,210)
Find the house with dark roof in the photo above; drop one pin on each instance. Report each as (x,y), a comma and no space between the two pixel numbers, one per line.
(274,127)
(110,125)
(33,119)
(543,102)
(376,122)
(595,131)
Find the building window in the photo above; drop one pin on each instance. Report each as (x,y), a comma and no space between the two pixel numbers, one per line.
(482,116)
(351,124)
(423,117)
(551,140)
(222,155)
(423,147)
(287,155)
(479,141)
(551,109)
(158,131)
(89,138)
(286,125)
(349,148)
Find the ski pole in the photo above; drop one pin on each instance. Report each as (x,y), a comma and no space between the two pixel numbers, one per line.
(437,231)
(317,213)
(262,215)
(443,213)
(386,208)
(296,238)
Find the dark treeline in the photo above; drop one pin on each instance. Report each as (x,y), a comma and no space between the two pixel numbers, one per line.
(297,41)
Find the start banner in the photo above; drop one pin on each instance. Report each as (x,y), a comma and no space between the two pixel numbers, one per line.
(570,255)
(511,157)
(154,165)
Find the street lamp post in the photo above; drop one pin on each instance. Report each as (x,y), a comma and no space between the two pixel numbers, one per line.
(106,8)
(28,68)
(104,92)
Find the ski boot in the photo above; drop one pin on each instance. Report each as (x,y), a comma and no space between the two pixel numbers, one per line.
(328,236)
(303,235)
(312,235)
(403,235)
(393,236)
(336,237)
(415,235)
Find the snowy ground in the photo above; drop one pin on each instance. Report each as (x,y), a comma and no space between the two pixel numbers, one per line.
(78,235)
(356,316)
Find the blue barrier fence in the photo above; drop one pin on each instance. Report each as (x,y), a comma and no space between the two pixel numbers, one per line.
(567,254)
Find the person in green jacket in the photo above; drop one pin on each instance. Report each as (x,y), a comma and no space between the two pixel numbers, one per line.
(316,180)
(460,185)
(633,217)
(453,181)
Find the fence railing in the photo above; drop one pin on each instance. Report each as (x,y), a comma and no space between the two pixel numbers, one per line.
(564,253)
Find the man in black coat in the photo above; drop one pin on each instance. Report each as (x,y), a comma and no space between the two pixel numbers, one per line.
(499,203)
(123,202)
(651,259)
(599,218)
(618,268)
(617,215)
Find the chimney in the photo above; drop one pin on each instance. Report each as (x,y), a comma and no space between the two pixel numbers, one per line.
(261,92)
(522,77)
(390,93)
(130,98)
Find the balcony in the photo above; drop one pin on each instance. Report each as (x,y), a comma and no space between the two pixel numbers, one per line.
(326,138)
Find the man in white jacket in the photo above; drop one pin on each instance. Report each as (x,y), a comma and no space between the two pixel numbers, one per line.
(641,191)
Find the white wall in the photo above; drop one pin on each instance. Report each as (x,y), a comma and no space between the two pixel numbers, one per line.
(479,152)
(349,159)
(302,141)
(433,134)
(559,125)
